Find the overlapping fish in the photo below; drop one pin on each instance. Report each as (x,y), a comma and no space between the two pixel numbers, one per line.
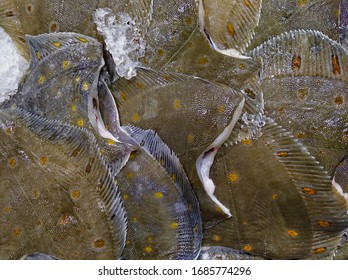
(57,195)
(261,195)
(157,194)
(304,79)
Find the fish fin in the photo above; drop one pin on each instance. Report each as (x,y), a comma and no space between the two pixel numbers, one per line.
(225,253)
(327,208)
(153,144)
(252,119)
(343,24)
(230,25)
(80,144)
(290,54)
(10,23)
(44,45)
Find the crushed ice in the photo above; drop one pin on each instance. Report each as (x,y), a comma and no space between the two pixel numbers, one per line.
(123,40)
(12,66)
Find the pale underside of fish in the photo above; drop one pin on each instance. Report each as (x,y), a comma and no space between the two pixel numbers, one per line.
(61,84)
(304,78)
(282,202)
(57,197)
(230,24)
(194,124)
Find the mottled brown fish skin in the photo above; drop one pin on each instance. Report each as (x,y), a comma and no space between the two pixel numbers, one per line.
(56,192)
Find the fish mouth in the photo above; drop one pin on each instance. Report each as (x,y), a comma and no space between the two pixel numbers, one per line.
(206,159)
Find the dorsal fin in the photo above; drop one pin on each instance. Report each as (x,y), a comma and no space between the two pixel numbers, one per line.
(153,144)
(69,162)
(303,53)
(44,45)
(230,24)
(283,203)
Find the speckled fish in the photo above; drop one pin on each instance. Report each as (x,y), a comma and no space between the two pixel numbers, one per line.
(162,209)
(158,197)
(230,24)
(33,17)
(279,16)
(61,84)
(282,202)
(57,195)
(192,116)
(225,253)
(304,79)
(343,24)
(176,43)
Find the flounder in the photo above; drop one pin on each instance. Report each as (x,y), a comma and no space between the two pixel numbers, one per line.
(157,195)
(282,202)
(304,79)
(57,194)
(34,17)
(279,16)
(193,123)
(61,84)
(230,24)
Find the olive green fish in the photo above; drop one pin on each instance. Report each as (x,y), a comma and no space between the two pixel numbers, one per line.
(230,24)
(304,79)
(34,17)
(279,16)
(61,84)
(158,197)
(57,194)
(192,116)
(282,202)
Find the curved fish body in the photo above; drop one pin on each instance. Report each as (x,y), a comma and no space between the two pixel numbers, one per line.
(304,79)
(57,194)
(61,84)
(21,17)
(157,194)
(283,203)
(193,123)
(230,24)
(225,253)
(279,16)
(162,209)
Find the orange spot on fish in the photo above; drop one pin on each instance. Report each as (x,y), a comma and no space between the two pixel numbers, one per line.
(203,60)
(336,68)
(99,243)
(247,248)
(148,249)
(309,191)
(17,232)
(177,104)
(339,100)
(282,154)
(216,237)
(12,162)
(292,233)
(136,117)
(324,223)
(57,44)
(230,29)
(75,194)
(233,177)
(158,195)
(43,160)
(296,63)
(7,210)
(319,250)
(174,225)
(246,141)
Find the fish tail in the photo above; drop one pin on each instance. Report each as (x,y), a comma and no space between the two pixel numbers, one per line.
(10,23)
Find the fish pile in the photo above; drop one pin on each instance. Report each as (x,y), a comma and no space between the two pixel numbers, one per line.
(184,129)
